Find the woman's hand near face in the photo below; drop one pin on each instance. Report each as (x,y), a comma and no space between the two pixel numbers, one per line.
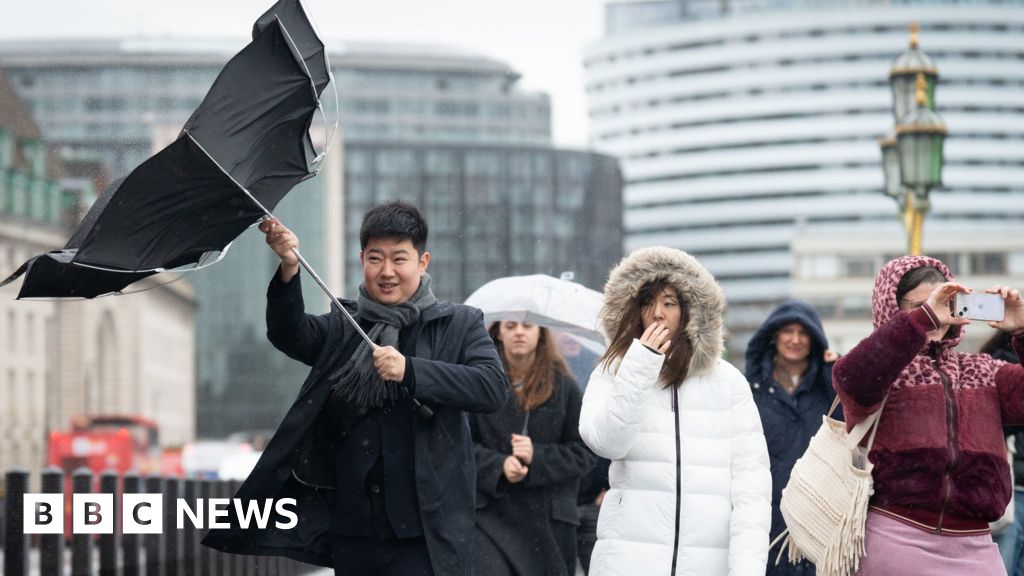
(1013,319)
(655,337)
(941,302)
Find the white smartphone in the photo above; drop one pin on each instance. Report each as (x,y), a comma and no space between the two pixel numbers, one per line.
(979,306)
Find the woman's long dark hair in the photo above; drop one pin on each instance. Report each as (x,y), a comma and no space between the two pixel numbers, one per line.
(631,326)
(539,380)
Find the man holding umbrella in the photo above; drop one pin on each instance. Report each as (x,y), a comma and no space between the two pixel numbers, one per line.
(376,448)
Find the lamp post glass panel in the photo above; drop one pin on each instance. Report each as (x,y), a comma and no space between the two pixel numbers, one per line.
(912,158)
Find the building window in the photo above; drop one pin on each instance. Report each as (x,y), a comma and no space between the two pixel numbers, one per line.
(12,398)
(11,332)
(988,263)
(952,261)
(859,266)
(6,149)
(30,333)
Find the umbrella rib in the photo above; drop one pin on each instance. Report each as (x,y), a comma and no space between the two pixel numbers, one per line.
(302,261)
(312,84)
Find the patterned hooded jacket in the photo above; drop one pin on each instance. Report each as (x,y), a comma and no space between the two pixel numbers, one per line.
(939,457)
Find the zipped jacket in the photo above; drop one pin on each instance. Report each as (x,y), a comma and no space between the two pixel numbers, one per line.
(939,456)
(690,486)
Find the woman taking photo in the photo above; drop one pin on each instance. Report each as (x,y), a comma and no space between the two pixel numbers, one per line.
(529,460)
(690,488)
(940,468)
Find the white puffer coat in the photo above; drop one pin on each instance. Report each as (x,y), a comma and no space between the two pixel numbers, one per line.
(724,493)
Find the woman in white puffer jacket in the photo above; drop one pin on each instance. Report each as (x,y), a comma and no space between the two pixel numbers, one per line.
(690,487)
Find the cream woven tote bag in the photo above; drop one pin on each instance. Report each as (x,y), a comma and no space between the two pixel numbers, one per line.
(825,503)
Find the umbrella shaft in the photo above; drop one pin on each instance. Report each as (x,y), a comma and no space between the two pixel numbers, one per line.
(316,277)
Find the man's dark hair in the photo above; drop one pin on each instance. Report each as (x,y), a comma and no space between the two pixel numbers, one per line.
(396,220)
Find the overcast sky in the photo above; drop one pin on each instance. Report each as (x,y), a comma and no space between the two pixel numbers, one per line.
(543,39)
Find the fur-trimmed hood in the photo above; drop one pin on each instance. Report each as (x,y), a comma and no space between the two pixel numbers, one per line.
(697,288)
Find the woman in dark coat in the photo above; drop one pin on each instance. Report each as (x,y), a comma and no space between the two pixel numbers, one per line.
(792,385)
(529,459)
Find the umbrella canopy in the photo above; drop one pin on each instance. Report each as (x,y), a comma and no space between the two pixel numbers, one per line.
(241,151)
(543,300)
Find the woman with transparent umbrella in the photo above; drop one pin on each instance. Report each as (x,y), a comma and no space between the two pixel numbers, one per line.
(529,459)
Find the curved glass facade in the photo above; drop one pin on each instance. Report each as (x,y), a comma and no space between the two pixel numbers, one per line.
(493,210)
(738,128)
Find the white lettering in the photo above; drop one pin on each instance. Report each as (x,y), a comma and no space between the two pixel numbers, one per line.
(252,509)
(216,510)
(291,515)
(195,516)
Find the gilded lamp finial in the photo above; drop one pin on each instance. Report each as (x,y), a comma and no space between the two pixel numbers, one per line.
(913,35)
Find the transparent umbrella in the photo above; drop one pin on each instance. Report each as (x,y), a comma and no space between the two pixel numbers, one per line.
(540,299)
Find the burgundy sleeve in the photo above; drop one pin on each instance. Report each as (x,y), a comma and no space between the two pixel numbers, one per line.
(1010,383)
(862,377)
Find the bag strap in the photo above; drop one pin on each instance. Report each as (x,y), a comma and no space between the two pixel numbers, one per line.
(861,429)
(780,538)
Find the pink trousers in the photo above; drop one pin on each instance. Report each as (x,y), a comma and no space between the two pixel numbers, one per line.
(892,548)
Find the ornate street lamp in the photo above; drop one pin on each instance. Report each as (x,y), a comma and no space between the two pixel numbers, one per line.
(912,156)
(903,79)
(891,166)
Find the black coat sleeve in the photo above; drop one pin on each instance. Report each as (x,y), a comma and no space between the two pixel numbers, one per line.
(490,464)
(476,384)
(556,462)
(299,335)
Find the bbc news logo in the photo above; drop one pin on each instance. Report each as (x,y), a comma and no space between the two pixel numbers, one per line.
(143,513)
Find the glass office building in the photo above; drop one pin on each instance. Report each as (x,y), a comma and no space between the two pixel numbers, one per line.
(493,210)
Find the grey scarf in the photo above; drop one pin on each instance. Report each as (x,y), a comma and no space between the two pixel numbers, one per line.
(357,381)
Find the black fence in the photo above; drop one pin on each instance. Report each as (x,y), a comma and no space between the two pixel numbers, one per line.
(172,552)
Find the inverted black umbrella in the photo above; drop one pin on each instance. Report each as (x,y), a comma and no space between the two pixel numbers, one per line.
(241,151)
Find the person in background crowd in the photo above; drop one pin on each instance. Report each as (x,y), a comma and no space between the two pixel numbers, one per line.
(690,487)
(1011,540)
(529,459)
(940,469)
(792,385)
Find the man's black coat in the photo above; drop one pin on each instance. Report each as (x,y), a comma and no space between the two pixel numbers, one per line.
(456,370)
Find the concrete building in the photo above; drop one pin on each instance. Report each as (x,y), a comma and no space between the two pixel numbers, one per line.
(837,275)
(61,359)
(735,120)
